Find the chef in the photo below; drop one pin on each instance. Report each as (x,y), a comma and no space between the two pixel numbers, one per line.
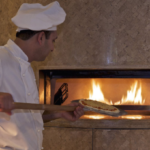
(35,37)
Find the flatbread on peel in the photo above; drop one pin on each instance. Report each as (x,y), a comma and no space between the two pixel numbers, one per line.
(98,106)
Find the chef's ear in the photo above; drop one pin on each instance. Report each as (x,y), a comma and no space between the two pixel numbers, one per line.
(41,38)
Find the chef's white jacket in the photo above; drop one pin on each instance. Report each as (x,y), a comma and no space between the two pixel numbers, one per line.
(23,129)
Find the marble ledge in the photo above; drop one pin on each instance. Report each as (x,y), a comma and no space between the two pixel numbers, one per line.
(96,67)
(101,124)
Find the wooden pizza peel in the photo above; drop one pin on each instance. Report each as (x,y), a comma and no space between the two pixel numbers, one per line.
(65,108)
(123,109)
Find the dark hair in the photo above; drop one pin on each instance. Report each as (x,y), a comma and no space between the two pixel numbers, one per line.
(27,34)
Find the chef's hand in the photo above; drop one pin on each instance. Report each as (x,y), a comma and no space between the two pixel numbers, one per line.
(6,103)
(75,115)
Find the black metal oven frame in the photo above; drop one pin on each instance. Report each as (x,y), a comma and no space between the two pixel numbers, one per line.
(93,73)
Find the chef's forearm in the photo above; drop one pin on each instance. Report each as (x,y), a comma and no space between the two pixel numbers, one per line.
(51,116)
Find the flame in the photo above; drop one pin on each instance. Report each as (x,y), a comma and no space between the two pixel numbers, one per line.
(103,117)
(134,95)
(93,117)
(97,94)
(132,117)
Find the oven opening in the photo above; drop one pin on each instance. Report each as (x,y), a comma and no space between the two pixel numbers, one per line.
(113,87)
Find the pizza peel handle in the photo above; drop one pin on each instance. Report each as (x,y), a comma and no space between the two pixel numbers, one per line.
(43,107)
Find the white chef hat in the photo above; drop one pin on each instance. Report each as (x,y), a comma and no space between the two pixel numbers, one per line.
(37,17)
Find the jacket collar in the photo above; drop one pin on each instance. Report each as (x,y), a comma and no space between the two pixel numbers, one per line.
(17,52)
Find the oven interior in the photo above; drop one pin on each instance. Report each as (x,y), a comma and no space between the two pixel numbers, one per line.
(114,87)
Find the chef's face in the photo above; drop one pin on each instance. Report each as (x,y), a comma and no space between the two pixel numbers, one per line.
(48,45)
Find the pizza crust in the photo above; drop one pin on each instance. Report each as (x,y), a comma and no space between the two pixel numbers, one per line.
(92,104)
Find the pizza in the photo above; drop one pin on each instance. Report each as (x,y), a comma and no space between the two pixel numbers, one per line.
(98,106)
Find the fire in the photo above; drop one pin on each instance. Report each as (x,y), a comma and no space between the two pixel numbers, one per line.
(93,117)
(134,95)
(132,117)
(97,94)
(103,117)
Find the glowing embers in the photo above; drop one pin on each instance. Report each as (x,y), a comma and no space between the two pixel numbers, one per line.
(128,117)
(134,95)
(93,117)
(132,117)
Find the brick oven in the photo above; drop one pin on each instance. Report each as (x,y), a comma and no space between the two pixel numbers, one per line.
(126,88)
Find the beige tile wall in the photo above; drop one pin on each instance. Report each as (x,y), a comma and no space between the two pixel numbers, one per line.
(61,138)
(96,33)
(121,139)
(67,139)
